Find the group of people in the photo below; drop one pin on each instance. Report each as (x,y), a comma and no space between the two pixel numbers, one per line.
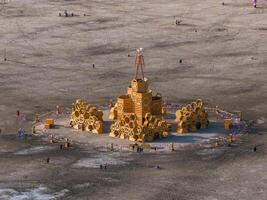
(138,148)
(254,3)
(103,166)
(21,133)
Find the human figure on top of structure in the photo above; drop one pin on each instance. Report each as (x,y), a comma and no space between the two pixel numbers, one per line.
(139,63)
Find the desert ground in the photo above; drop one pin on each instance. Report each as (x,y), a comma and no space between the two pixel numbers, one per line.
(49,62)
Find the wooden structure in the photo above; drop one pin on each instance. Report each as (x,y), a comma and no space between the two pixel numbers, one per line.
(86,117)
(139,101)
(191,117)
(138,113)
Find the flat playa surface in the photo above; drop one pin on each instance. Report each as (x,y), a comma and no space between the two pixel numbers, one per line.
(49,62)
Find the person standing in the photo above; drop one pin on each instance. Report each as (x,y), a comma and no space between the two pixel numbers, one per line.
(18,113)
(172,147)
(254,2)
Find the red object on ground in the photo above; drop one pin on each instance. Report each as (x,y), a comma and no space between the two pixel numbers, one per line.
(18,113)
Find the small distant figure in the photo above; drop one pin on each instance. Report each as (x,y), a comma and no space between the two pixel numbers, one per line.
(112,147)
(72,14)
(33,130)
(36,119)
(21,132)
(157,167)
(139,149)
(254,3)
(48,160)
(178,22)
(164,112)
(57,110)
(66,13)
(255,149)
(73,107)
(59,14)
(252,58)
(61,146)
(93,66)
(105,166)
(5,55)
(217,110)
(230,139)
(101,166)
(216,144)
(111,104)
(51,139)
(195,30)
(222,2)
(67,143)
(173,147)
(18,113)
(180,61)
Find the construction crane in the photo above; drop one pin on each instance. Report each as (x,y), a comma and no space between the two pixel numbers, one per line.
(139,63)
